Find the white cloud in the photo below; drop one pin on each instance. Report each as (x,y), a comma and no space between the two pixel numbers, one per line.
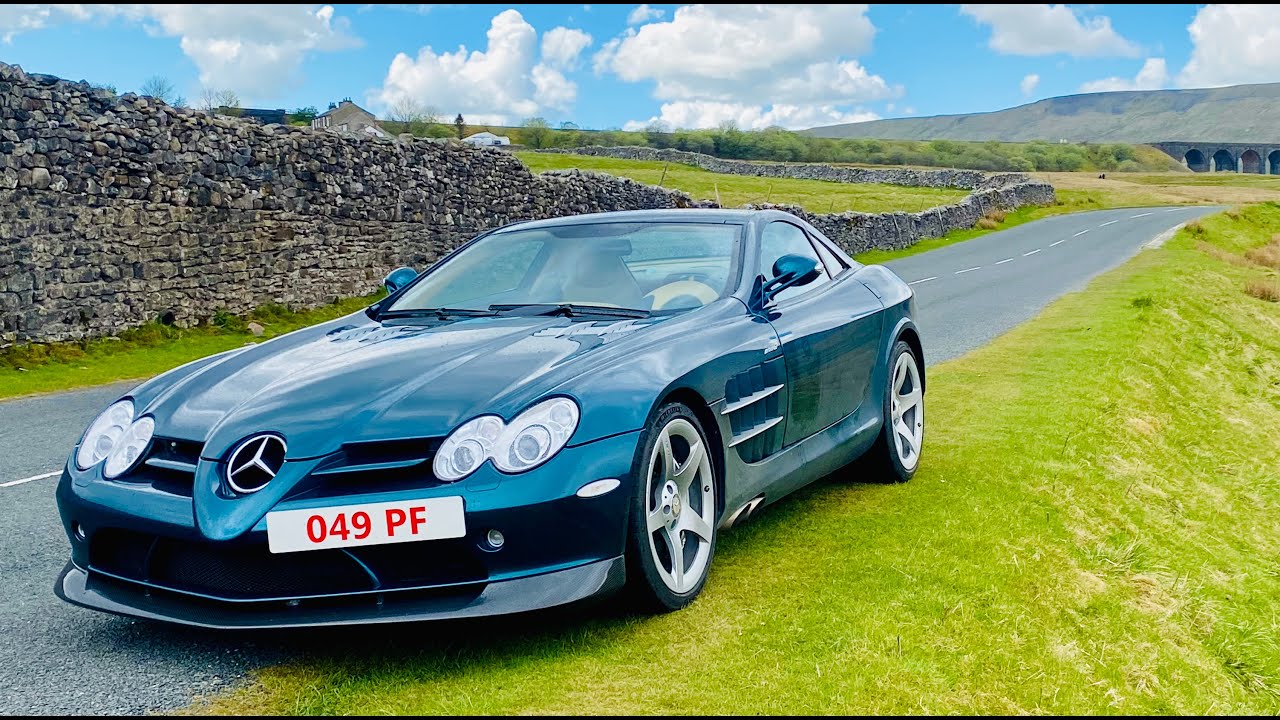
(1029,84)
(1233,44)
(698,114)
(551,88)
(561,47)
(751,54)
(643,14)
(256,50)
(1049,29)
(754,65)
(501,83)
(1154,75)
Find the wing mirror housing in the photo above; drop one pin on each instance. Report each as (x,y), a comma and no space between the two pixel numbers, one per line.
(789,271)
(398,278)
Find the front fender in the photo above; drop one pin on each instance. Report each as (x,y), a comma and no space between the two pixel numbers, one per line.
(620,397)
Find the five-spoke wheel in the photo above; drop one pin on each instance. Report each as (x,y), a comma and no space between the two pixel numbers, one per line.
(673,532)
(906,411)
(896,453)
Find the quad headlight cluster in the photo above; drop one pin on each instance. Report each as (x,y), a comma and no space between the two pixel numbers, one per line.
(115,436)
(529,440)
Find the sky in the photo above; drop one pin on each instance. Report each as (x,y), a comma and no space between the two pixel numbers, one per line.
(628,66)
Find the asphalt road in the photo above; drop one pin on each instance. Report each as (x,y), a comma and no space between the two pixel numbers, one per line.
(57,659)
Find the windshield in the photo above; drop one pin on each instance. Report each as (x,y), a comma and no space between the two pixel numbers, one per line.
(644,266)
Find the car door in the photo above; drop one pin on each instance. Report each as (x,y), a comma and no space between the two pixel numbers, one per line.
(829,330)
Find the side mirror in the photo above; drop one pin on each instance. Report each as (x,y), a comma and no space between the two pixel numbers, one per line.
(790,271)
(399,278)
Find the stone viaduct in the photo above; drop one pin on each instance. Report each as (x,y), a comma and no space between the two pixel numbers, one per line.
(1254,158)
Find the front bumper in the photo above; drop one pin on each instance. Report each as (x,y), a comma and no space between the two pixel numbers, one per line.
(137,550)
(99,592)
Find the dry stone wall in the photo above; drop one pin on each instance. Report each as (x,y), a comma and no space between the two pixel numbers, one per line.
(116,211)
(944,177)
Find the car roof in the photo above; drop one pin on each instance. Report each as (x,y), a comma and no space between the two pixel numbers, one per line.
(707,215)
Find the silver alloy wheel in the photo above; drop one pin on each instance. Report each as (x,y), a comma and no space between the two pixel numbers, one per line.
(680,506)
(907,411)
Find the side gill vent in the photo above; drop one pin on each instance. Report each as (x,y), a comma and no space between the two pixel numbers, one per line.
(753,403)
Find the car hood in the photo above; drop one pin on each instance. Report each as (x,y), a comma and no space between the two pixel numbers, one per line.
(356,379)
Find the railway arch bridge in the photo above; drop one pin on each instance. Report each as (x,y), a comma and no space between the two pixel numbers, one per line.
(1253,158)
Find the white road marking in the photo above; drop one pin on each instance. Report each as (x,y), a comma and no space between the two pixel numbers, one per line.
(1163,237)
(1053,244)
(1174,209)
(1139,215)
(1080,233)
(1113,222)
(923,280)
(1033,252)
(961,272)
(1005,261)
(33,478)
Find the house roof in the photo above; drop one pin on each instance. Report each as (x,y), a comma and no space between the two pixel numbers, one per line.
(341,105)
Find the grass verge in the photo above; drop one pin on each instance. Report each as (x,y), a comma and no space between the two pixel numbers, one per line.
(737,190)
(1095,529)
(149,350)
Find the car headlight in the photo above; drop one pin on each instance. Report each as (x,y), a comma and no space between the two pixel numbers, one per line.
(130,447)
(532,438)
(103,434)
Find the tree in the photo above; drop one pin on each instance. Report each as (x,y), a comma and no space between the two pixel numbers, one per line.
(407,110)
(221,101)
(305,114)
(413,115)
(159,87)
(536,132)
(461,124)
(566,125)
(657,134)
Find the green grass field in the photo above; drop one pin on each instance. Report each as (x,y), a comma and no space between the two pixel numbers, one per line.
(1095,529)
(737,190)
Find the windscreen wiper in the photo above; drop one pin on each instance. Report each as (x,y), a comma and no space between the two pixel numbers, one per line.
(566,309)
(442,313)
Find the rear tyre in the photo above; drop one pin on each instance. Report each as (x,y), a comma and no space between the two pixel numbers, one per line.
(672,530)
(896,453)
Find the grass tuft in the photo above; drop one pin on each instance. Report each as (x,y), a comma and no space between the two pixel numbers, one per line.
(1268,290)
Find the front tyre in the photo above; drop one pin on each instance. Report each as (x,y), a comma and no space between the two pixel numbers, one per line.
(896,453)
(672,535)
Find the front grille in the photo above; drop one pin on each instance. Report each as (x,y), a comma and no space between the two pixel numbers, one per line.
(169,466)
(232,572)
(372,467)
(414,563)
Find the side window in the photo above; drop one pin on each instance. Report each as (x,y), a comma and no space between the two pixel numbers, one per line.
(782,238)
(834,264)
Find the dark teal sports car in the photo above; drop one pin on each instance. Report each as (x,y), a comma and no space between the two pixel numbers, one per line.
(556,410)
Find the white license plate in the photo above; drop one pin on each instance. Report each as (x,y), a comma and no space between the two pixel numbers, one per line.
(366,524)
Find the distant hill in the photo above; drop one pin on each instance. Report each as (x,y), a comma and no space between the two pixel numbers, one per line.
(1241,113)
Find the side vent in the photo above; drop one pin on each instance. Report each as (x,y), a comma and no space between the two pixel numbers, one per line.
(753,403)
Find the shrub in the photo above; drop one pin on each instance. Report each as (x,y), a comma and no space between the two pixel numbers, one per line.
(1268,290)
(986,223)
(995,214)
(1195,227)
(1267,255)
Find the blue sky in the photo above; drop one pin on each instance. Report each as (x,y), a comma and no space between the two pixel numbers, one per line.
(604,66)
